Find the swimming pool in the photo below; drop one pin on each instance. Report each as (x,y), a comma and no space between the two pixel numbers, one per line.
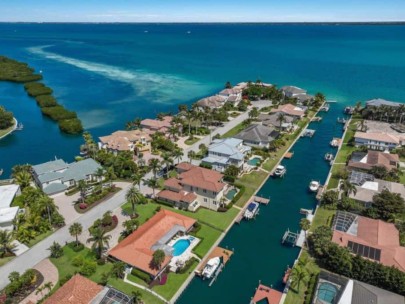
(254,161)
(231,193)
(180,246)
(327,292)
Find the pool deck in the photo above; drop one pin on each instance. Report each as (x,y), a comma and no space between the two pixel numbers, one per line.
(217,252)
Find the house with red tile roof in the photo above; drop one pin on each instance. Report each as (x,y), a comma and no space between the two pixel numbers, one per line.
(266,295)
(137,249)
(290,110)
(134,141)
(194,187)
(156,125)
(78,290)
(367,161)
(372,239)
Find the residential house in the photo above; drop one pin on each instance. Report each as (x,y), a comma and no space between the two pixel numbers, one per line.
(137,249)
(372,239)
(378,140)
(194,187)
(78,290)
(303,99)
(156,125)
(225,152)
(292,91)
(134,141)
(272,120)
(233,95)
(8,213)
(258,136)
(57,176)
(378,102)
(342,290)
(290,110)
(370,159)
(212,102)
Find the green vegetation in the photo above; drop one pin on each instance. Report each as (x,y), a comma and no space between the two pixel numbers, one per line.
(128,289)
(191,140)
(250,182)
(12,70)
(323,217)
(6,119)
(208,236)
(235,130)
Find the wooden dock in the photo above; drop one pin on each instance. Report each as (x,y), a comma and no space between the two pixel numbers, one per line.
(224,254)
(316,119)
(289,155)
(261,200)
(320,192)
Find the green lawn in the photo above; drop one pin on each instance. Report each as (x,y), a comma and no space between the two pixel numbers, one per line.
(235,130)
(145,211)
(323,216)
(39,238)
(137,280)
(6,260)
(208,236)
(344,153)
(295,296)
(191,141)
(65,267)
(334,180)
(126,288)
(174,281)
(251,182)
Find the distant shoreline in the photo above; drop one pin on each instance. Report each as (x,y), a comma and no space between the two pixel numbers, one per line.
(224,23)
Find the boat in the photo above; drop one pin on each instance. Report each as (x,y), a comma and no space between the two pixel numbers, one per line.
(1,172)
(314,186)
(341,120)
(251,210)
(329,157)
(348,110)
(308,133)
(280,171)
(210,268)
(286,275)
(19,127)
(325,107)
(334,143)
(306,211)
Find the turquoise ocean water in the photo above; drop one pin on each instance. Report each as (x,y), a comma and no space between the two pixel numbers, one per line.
(112,73)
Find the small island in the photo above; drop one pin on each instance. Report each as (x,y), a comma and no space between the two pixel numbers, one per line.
(15,71)
(7,122)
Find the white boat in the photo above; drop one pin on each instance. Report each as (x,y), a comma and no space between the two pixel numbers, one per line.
(306,211)
(314,186)
(1,172)
(329,157)
(251,210)
(280,171)
(210,268)
(334,143)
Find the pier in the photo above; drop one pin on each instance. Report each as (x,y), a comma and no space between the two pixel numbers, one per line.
(265,294)
(316,119)
(289,155)
(257,199)
(223,254)
(308,133)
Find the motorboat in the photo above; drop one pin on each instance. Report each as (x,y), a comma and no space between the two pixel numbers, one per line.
(1,172)
(306,211)
(334,143)
(329,157)
(348,110)
(251,210)
(314,186)
(280,171)
(210,268)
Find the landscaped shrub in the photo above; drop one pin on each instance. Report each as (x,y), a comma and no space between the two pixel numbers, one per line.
(309,293)
(88,268)
(78,261)
(58,113)
(36,88)
(196,227)
(242,190)
(142,275)
(187,265)
(46,101)
(83,206)
(63,280)
(71,126)
(75,247)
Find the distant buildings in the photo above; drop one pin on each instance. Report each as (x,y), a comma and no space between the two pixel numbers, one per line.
(292,91)
(372,239)
(225,152)
(273,120)
(156,125)
(57,176)
(370,159)
(194,187)
(378,102)
(290,110)
(134,141)
(258,136)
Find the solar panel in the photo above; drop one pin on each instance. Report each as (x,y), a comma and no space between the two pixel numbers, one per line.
(365,251)
(343,220)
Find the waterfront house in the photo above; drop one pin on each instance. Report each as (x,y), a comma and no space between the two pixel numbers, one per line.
(156,125)
(225,152)
(336,289)
(292,91)
(57,176)
(135,141)
(194,187)
(233,95)
(372,239)
(303,99)
(7,194)
(8,213)
(368,160)
(378,102)
(212,102)
(378,140)
(137,249)
(271,120)
(258,136)
(290,110)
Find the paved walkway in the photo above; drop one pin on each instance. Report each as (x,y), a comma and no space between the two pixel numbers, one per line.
(145,288)
(50,273)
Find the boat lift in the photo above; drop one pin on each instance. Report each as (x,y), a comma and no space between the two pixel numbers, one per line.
(290,237)
(308,133)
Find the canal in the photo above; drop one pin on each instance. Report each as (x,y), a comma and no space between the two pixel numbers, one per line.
(258,253)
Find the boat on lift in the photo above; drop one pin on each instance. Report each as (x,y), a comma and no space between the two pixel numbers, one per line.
(314,186)
(334,143)
(329,157)
(280,171)
(210,268)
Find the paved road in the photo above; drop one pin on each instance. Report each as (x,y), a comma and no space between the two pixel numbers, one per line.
(40,251)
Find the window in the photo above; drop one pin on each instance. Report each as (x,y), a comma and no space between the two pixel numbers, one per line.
(214,193)
(205,200)
(205,191)
(215,202)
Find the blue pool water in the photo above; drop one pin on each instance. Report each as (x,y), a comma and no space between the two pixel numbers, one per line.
(327,292)
(180,246)
(231,193)
(254,161)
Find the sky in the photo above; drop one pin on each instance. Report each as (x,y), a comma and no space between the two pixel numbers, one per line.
(201,11)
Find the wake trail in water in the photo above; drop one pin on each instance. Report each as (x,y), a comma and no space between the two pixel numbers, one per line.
(162,87)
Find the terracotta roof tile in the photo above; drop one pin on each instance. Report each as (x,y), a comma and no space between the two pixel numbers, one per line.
(378,136)
(289,109)
(202,178)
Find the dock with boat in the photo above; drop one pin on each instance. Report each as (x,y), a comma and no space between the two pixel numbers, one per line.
(316,119)
(325,107)
(335,142)
(289,155)
(250,214)
(308,133)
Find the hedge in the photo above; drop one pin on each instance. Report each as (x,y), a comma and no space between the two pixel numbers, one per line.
(36,88)
(46,101)
(187,265)
(58,113)
(71,126)
(142,275)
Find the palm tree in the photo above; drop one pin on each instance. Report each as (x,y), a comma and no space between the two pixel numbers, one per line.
(6,246)
(137,123)
(152,183)
(154,165)
(75,230)
(82,186)
(158,258)
(254,113)
(45,205)
(191,155)
(281,118)
(189,117)
(168,162)
(134,197)
(99,174)
(347,188)
(99,239)
(178,154)
(23,179)
(228,85)
(136,179)
(173,131)
(305,224)
(298,274)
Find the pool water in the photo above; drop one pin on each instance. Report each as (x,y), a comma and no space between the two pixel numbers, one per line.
(180,246)
(254,161)
(231,193)
(327,292)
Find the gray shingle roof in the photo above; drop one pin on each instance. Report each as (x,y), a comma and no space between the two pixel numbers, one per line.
(54,188)
(54,165)
(258,133)
(228,146)
(79,171)
(377,102)
(271,119)
(50,176)
(365,294)
(293,90)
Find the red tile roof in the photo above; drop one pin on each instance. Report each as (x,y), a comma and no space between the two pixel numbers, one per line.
(182,196)
(289,109)
(157,124)
(173,183)
(78,290)
(136,250)
(266,293)
(376,158)
(377,234)
(202,178)
(184,166)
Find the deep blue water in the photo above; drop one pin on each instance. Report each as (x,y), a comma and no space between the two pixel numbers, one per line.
(111,73)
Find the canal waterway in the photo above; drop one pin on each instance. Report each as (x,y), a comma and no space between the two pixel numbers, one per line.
(259,254)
